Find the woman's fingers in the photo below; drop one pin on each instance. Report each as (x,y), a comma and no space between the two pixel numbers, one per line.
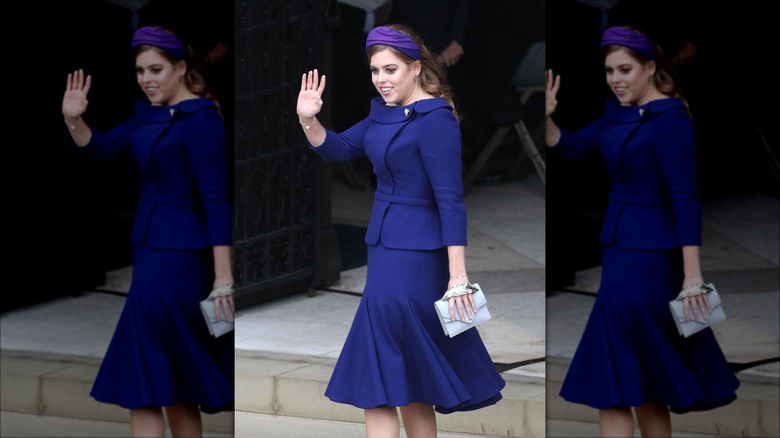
(311,81)
(471,309)
(704,306)
(77,82)
(73,81)
(706,299)
(687,308)
(697,307)
(218,309)
(87,85)
(459,302)
(456,309)
(306,81)
(693,309)
(462,306)
(553,82)
(548,79)
(321,88)
(224,308)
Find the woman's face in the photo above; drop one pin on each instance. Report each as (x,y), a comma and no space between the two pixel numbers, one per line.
(160,80)
(631,81)
(394,79)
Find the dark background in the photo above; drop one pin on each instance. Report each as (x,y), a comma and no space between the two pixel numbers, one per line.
(70,215)
(729,83)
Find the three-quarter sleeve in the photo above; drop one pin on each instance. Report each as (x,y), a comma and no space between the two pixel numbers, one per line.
(343,146)
(675,147)
(577,146)
(440,148)
(110,145)
(206,151)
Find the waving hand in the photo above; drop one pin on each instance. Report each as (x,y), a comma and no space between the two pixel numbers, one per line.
(74,103)
(309,105)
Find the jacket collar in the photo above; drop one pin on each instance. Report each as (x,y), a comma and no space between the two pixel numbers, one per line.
(162,114)
(384,114)
(616,113)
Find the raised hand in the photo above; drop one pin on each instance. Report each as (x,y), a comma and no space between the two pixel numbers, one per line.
(74,103)
(310,96)
(551,85)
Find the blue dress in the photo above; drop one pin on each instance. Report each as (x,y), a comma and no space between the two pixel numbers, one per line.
(630,352)
(161,352)
(396,352)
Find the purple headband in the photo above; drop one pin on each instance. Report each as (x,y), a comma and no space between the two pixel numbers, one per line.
(626,37)
(159,38)
(395,39)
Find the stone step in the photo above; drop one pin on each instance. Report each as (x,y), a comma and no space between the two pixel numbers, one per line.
(753,414)
(56,386)
(253,425)
(580,429)
(289,387)
(295,388)
(248,425)
(15,424)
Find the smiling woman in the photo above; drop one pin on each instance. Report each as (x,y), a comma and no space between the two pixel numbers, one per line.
(629,79)
(630,356)
(167,71)
(161,354)
(396,355)
(395,83)
(159,79)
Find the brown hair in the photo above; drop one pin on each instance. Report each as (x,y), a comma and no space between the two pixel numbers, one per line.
(433,76)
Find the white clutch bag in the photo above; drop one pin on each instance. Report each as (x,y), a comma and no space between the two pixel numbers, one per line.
(453,327)
(219,327)
(687,328)
(216,328)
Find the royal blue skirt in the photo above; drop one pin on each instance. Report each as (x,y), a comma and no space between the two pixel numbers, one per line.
(396,352)
(161,352)
(630,352)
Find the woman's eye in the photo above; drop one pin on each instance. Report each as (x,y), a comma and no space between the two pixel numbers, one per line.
(625,70)
(390,71)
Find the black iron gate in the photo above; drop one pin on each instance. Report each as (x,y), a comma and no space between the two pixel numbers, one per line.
(283,240)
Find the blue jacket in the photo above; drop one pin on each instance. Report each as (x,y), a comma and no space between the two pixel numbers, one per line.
(650,153)
(181,154)
(416,154)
